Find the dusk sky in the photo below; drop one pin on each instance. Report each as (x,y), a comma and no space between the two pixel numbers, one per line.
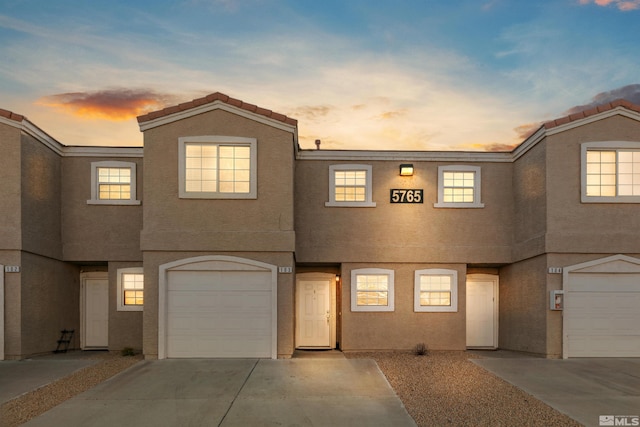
(374,75)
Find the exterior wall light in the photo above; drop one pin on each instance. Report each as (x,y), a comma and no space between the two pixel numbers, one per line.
(406,169)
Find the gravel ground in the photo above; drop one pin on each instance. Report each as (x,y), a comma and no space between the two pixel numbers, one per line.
(30,405)
(444,388)
(438,389)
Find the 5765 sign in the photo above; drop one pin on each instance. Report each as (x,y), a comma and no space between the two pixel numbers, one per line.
(406,196)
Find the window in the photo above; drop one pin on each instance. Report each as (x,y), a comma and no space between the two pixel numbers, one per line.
(130,289)
(372,289)
(113,183)
(459,187)
(611,172)
(350,186)
(436,290)
(217,167)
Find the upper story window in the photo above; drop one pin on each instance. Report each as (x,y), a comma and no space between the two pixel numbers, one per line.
(350,186)
(459,187)
(218,167)
(372,289)
(130,289)
(611,172)
(435,290)
(113,183)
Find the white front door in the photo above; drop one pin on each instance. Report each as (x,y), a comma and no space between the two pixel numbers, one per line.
(96,311)
(313,314)
(482,313)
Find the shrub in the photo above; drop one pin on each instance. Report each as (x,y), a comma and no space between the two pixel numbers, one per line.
(128,351)
(420,349)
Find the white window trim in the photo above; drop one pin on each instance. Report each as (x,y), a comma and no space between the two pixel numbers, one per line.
(354,290)
(435,308)
(477,185)
(121,304)
(95,200)
(367,203)
(217,139)
(603,145)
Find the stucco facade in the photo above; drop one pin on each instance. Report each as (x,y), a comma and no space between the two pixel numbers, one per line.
(315,248)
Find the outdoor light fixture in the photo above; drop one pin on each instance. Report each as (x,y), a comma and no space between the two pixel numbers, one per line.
(406,169)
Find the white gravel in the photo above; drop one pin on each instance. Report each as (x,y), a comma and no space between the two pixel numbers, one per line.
(445,388)
(438,389)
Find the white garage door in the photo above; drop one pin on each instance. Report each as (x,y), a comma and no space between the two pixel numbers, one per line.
(219,314)
(602,314)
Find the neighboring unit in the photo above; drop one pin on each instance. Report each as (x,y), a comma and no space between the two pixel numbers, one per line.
(222,238)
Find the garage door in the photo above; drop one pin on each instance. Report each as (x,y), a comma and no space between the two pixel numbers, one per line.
(602,311)
(219,314)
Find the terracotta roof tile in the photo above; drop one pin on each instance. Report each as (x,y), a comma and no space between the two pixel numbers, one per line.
(217,96)
(591,111)
(11,115)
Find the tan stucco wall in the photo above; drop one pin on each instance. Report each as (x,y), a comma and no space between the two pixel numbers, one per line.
(10,208)
(41,212)
(529,204)
(523,306)
(262,224)
(97,232)
(12,305)
(125,327)
(286,284)
(403,328)
(49,299)
(587,227)
(402,232)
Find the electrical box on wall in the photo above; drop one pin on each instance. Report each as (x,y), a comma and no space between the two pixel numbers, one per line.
(556,300)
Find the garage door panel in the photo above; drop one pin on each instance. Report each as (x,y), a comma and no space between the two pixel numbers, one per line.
(219,314)
(602,315)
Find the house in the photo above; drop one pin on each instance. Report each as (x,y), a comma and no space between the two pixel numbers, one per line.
(222,238)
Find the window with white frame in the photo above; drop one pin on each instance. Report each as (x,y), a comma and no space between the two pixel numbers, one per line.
(113,183)
(610,172)
(459,187)
(130,289)
(350,186)
(372,289)
(436,290)
(217,167)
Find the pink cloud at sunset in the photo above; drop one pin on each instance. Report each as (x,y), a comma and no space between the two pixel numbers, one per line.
(624,5)
(109,104)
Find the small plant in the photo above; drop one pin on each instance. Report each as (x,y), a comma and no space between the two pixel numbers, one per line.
(128,351)
(420,349)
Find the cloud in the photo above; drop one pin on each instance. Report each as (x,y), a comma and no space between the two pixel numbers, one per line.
(623,5)
(310,112)
(109,104)
(492,147)
(526,130)
(630,92)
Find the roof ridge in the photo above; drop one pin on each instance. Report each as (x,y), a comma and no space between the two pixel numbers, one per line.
(600,108)
(213,97)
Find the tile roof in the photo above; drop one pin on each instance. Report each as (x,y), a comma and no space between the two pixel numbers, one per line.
(217,97)
(11,115)
(592,111)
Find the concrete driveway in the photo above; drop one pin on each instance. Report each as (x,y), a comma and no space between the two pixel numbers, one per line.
(241,392)
(583,389)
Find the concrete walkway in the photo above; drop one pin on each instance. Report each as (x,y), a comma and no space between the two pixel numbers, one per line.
(583,389)
(239,392)
(21,376)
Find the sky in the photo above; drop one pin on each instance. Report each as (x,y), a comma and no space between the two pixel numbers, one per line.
(464,75)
